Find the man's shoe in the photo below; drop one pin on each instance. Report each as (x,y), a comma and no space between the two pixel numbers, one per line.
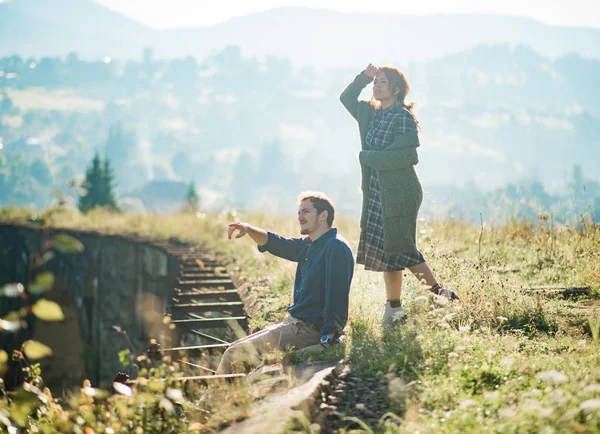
(392,315)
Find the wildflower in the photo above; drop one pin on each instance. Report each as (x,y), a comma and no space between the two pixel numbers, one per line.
(167,405)
(468,403)
(592,388)
(421,299)
(398,390)
(441,300)
(491,396)
(507,413)
(552,377)
(448,317)
(175,395)
(507,362)
(590,405)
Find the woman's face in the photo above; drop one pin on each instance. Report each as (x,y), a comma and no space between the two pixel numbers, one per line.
(381,88)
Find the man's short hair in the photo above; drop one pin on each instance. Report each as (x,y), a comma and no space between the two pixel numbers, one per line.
(321,203)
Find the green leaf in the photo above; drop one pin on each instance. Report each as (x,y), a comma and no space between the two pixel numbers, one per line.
(36,350)
(125,357)
(20,413)
(156,386)
(47,310)
(46,257)
(3,362)
(13,316)
(32,389)
(67,244)
(25,402)
(12,290)
(42,283)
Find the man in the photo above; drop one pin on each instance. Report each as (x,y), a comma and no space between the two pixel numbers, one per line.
(321,288)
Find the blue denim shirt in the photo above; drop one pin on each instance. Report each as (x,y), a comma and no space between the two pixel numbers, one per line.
(323,277)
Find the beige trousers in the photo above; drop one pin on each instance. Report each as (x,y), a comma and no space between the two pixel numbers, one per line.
(291,332)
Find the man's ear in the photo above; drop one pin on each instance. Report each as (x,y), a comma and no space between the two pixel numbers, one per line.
(324,214)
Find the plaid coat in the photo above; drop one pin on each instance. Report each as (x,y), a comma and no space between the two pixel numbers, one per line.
(400,187)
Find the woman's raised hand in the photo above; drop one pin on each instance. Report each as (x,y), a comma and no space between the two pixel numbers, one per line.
(370,71)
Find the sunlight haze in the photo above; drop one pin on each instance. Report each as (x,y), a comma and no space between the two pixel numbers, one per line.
(177,13)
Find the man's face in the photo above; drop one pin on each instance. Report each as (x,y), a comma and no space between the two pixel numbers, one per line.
(307,217)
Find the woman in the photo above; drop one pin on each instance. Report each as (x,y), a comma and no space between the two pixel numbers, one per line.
(392,192)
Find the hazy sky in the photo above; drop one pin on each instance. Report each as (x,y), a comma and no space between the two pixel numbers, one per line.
(175,13)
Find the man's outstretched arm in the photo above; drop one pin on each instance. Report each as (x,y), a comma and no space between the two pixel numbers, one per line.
(258,235)
(286,248)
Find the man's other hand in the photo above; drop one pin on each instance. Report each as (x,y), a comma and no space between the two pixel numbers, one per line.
(237,226)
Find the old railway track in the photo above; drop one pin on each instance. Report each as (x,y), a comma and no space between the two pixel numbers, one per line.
(206,314)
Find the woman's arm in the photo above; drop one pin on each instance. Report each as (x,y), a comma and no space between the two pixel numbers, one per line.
(402,153)
(389,160)
(349,96)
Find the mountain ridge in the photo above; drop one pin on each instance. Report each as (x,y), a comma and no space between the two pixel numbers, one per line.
(314,37)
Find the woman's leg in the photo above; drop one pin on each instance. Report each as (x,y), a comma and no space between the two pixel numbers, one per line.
(393,284)
(424,274)
(426,277)
(393,307)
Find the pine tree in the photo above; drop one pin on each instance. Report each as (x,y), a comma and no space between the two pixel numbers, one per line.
(192,201)
(91,187)
(98,186)
(109,199)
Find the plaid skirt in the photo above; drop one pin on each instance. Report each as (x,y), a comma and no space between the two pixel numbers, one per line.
(370,246)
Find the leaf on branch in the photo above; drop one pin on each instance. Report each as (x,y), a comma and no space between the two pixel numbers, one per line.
(42,283)
(67,244)
(3,362)
(47,310)
(36,350)
(46,257)
(125,357)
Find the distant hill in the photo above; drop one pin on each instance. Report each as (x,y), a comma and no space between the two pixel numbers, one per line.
(56,27)
(307,36)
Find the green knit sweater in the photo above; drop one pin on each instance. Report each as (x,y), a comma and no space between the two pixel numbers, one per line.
(401,190)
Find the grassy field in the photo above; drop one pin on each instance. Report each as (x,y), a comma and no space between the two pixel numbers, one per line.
(516,354)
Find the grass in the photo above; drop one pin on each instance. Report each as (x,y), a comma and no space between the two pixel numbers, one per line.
(508,358)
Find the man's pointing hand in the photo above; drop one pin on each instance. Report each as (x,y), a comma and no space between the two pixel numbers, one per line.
(237,226)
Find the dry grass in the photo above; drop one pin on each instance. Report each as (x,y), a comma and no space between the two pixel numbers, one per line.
(484,364)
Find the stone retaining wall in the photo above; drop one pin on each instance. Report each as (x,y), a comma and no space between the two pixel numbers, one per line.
(116,281)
